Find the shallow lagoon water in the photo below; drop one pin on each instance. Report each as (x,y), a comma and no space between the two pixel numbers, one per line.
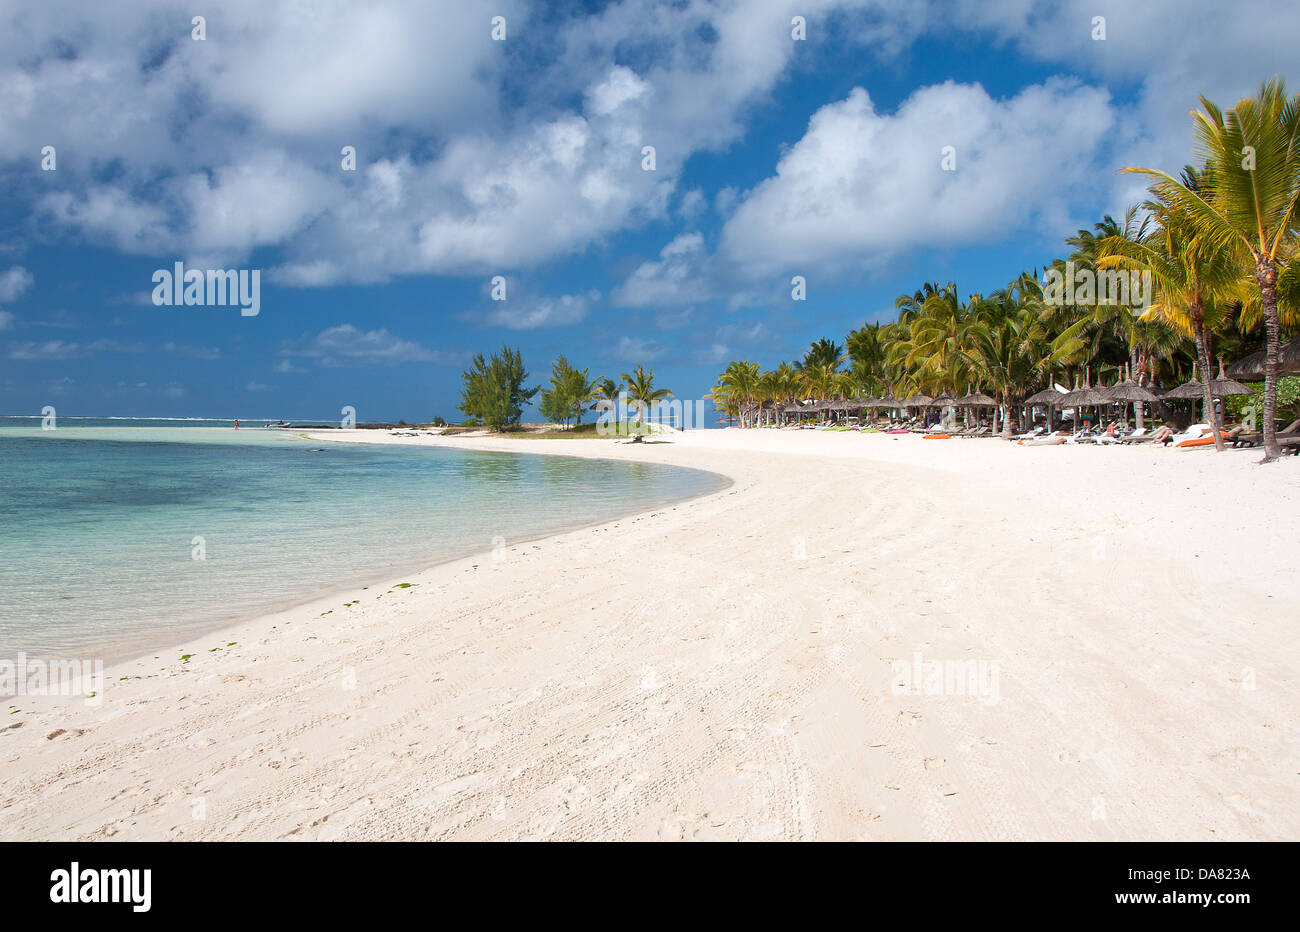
(116,540)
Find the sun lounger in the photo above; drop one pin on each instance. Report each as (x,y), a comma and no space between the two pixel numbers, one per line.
(1029,435)
(1156,436)
(1251,438)
(1193,435)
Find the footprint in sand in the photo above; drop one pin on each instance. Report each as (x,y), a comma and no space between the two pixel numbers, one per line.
(934,763)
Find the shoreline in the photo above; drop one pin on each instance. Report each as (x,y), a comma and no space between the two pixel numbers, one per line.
(115,656)
(683,672)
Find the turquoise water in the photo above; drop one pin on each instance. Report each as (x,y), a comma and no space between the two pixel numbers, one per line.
(100,526)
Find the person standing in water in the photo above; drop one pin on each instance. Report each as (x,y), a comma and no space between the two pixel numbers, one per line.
(236,423)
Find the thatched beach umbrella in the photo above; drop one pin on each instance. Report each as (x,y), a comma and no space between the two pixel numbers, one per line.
(1223,386)
(1130,392)
(974,400)
(1048,396)
(914,400)
(1252,367)
(795,409)
(943,400)
(1188,390)
(1048,399)
(1219,388)
(1080,397)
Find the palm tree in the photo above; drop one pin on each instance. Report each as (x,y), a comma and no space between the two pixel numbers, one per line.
(999,340)
(825,352)
(819,381)
(739,383)
(606,392)
(1254,154)
(940,334)
(641,390)
(866,348)
(770,389)
(1189,274)
(1104,326)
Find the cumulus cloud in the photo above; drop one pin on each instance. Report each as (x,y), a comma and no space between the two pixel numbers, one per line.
(679,276)
(345,345)
(473,157)
(217,147)
(863,184)
(13,282)
(527,314)
(638,350)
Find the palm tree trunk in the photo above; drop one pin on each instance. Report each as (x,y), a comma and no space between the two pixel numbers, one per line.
(1203,354)
(1137,377)
(1266,276)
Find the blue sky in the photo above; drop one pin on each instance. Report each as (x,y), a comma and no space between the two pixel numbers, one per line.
(522,158)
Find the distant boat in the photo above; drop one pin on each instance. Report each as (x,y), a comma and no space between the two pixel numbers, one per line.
(282,424)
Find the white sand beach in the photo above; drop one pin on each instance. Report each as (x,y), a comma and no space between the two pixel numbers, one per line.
(725,668)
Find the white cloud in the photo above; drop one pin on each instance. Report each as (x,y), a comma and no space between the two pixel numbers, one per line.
(636,350)
(516,314)
(864,185)
(345,345)
(110,214)
(680,276)
(13,282)
(223,146)
(711,355)
(59,349)
(261,200)
(6,320)
(472,158)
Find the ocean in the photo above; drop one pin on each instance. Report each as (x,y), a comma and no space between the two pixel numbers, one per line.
(117,540)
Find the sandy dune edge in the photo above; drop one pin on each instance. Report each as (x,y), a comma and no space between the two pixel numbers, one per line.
(724,668)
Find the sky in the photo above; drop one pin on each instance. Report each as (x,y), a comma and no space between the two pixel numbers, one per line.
(500,152)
